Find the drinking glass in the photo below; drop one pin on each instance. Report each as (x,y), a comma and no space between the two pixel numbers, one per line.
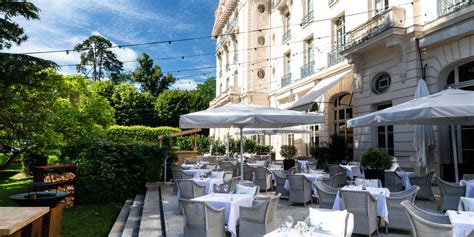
(289,222)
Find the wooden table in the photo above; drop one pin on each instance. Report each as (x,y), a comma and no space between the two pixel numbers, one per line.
(22,221)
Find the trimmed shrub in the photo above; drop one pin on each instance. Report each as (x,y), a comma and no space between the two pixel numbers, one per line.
(112,170)
(288,151)
(139,133)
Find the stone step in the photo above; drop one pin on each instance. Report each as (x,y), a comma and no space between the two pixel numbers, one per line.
(119,224)
(150,224)
(132,225)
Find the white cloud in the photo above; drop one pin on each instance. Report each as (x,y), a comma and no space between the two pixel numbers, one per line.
(184,84)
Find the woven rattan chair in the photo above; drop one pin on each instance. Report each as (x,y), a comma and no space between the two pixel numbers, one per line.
(300,189)
(202,220)
(449,194)
(248,171)
(339,180)
(249,184)
(291,171)
(330,181)
(259,219)
(336,169)
(468,176)
(426,224)
(188,189)
(231,184)
(393,181)
(280,179)
(397,217)
(228,175)
(262,178)
(312,165)
(229,166)
(362,204)
(424,182)
(462,205)
(326,194)
(177,175)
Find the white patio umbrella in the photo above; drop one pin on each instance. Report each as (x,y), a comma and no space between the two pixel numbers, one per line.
(448,107)
(272,131)
(423,137)
(247,116)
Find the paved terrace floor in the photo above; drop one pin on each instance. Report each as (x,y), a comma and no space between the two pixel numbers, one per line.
(174,221)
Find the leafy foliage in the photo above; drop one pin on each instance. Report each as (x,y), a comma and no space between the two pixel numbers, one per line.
(262,148)
(171,104)
(376,158)
(112,170)
(150,76)
(95,52)
(288,151)
(12,32)
(139,133)
(207,89)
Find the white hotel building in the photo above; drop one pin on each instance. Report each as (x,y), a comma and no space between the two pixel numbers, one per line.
(366,53)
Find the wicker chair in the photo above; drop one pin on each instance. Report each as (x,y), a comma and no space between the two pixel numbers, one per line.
(468,176)
(248,171)
(424,182)
(450,194)
(426,224)
(397,217)
(231,184)
(312,165)
(228,166)
(249,184)
(330,181)
(291,171)
(259,219)
(326,194)
(280,179)
(362,204)
(393,181)
(462,205)
(202,220)
(262,178)
(340,180)
(336,169)
(300,189)
(179,174)
(228,176)
(188,189)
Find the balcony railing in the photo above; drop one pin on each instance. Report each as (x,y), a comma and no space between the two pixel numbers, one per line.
(229,27)
(308,18)
(307,69)
(286,36)
(331,2)
(286,80)
(387,19)
(236,57)
(334,57)
(453,7)
(227,67)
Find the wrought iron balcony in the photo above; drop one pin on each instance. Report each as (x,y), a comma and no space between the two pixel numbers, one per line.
(307,69)
(334,56)
(389,18)
(286,80)
(454,6)
(286,36)
(308,18)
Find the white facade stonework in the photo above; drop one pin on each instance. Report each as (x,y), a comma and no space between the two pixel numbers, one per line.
(374,42)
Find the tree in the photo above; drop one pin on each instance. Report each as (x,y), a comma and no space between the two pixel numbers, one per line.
(171,104)
(150,76)
(95,53)
(133,107)
(12,32)
(207,89)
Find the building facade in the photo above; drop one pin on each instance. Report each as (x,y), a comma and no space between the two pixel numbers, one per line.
(370,53)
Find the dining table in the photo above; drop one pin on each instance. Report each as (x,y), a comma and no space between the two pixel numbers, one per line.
(469,187)
(352,171)
(462,221)
(197,172)
(379,193)
(293,232)
(231,203)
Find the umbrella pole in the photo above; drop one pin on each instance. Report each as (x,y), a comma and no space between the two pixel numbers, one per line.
(270,147)
(455,153)
(241,155)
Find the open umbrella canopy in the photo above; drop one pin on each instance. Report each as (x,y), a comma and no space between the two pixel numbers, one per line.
(448,107)
(247,116)
(273,131)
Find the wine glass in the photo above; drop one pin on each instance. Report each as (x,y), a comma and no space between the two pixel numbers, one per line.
(289,222)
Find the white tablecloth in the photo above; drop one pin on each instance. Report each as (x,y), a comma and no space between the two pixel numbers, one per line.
(469,187)
(379,193)
(231,202)
(296,233)
(311,176)
(463,223)
(352,170)
(197,172)
(303,165)
(406,178)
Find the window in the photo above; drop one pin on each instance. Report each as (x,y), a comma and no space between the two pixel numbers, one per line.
(261,139)
(286,26)
(309,6)
(236,78)
(309,51)
(342,113)
(340,32)
(227,85)
(287,68)
(314,136)
(380,5)
(290,138)
(381,83)
(385,134)
(261,8)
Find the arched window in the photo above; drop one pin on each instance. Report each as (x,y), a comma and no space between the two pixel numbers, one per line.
(462,77)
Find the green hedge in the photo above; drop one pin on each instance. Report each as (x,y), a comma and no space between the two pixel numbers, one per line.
(139,133)
(111,171)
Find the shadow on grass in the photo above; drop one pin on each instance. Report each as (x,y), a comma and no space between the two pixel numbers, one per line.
(10,185)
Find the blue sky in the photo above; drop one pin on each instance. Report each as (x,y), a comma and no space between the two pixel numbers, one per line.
(64,23)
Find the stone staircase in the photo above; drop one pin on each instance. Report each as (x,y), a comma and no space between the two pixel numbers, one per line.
(139,217)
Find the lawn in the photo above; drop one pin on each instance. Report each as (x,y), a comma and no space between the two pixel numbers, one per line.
(81,220)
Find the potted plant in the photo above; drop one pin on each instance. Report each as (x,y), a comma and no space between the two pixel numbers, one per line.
(375,161)
(337,149)
(288,152)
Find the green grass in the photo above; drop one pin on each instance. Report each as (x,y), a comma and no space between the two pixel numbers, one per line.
(81,220)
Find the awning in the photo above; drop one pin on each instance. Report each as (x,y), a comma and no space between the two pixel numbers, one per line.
(324,85)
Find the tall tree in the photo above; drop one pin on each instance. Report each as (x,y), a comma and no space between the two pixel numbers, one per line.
(96,54)
(11,32)
(207,89)
(151,77)
(171,104)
